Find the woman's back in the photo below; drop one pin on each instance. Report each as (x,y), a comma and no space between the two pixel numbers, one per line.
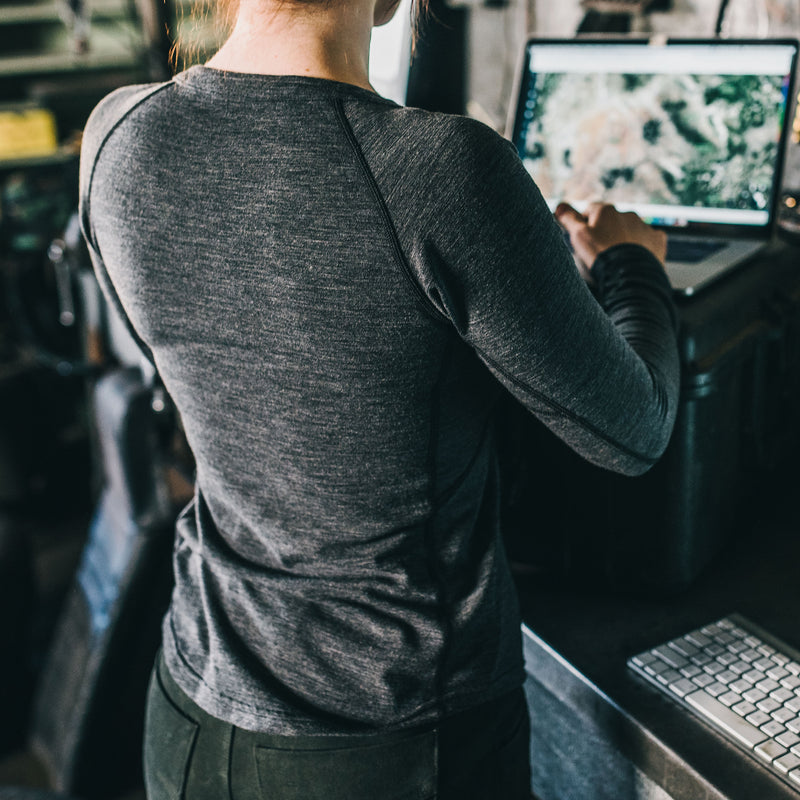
(330,286)
(340,427)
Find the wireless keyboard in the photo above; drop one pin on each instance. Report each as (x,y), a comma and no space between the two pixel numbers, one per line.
(744,682)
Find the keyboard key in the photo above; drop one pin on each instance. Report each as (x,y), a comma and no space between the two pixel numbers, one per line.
(788,739)
(765,649)
(697,638)
(656,668)
(744,708)
(781,695)
(727,659)
(739,667)
(673,658)
(729,698)
(754,676)
(716,689)
(713,668)
(793,704)
(793,725)
(753,695)
(768,705)
(727,676)
(684,647)
(763,664)
(776,673)
(770,750)
(684,686)
(780,658)
(782,715)
(767,685)
(787,763)
(644,659)
(793,667)
(795,776)
(701,659)
(739,686)
(703,680)
(690,670)
(758,718)
(749,655)
(728,720)
(752,641)
(773,729)
(790,682)
(737,647)
(669,676)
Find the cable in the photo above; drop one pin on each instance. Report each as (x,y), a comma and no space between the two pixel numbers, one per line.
(723,8)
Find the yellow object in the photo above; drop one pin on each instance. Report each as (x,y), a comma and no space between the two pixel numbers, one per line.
(26,133)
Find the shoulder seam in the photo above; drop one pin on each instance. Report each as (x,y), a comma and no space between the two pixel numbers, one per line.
(400,256)
(109,286)
(111,130)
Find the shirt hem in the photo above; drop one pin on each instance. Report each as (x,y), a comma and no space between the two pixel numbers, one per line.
(275,721)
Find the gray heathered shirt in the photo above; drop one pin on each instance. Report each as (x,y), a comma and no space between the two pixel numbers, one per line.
(335,290)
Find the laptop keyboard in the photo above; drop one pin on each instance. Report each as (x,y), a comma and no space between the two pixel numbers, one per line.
(742,681)
(685,250)
(690,251)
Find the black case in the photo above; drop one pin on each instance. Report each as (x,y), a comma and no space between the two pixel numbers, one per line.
(737,426)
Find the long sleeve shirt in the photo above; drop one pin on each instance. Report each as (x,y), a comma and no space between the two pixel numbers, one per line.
(335,291)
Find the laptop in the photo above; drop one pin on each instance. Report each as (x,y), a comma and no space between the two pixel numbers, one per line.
(689,134)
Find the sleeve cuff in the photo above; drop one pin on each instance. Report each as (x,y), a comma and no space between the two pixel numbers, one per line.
(632,266)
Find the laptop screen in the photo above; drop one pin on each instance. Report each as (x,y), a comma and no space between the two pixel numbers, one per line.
(683,133)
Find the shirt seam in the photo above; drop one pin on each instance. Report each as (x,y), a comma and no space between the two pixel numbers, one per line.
(400,257)
(576,418)
(101,146)
(100,266)
(432,552)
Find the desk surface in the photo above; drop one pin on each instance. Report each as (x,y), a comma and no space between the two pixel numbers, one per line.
(578,640)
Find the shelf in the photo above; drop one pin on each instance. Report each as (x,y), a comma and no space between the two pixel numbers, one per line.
(116,44)
(65,62)
(101,10)
(63,156)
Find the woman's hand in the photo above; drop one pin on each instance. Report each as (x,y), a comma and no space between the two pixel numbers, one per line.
(602,226)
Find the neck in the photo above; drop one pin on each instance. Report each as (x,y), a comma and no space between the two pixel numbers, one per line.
(319,40)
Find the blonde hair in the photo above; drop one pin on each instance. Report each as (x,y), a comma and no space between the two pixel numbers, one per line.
(205,27)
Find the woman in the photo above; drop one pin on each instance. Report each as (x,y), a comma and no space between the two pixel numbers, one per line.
(335,292)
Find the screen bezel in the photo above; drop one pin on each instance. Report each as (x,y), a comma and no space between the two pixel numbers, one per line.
(516,108)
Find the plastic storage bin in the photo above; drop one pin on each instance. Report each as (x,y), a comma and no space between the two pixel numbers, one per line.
(737,427)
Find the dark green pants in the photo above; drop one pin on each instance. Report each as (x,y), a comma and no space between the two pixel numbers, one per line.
(481,754)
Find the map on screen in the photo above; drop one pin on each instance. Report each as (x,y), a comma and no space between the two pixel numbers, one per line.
(666,139)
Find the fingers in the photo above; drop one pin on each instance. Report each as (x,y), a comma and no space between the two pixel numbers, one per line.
(580,235)
(601,226)
(593,215)
(596,211)
(568,217)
